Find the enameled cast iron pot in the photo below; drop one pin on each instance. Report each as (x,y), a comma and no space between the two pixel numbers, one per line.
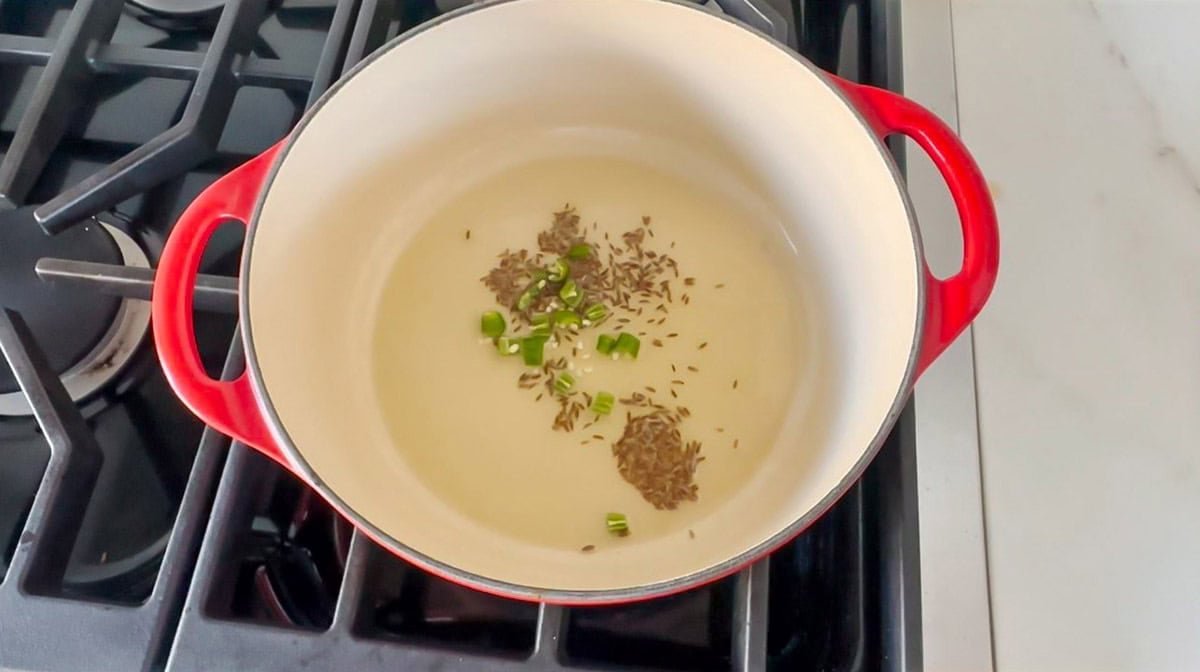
(653,67)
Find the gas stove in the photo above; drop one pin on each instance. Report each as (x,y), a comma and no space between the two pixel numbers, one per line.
(132,537)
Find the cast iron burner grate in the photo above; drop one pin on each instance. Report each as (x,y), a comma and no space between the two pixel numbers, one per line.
(185,9)
(118,114)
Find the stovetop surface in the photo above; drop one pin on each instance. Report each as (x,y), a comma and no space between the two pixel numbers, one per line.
(151,542)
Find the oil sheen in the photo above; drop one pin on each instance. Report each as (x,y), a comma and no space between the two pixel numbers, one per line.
(487,448)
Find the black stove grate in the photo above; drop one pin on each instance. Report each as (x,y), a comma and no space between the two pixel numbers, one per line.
(64,70)
(251,570)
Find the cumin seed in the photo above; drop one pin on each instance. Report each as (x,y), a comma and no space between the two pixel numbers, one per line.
(652,456)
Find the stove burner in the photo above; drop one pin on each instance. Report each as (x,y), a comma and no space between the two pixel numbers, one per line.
(67,325)
(180,9)
(295,559)
(87,337)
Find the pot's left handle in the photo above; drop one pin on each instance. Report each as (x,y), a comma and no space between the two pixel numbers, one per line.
(228,406)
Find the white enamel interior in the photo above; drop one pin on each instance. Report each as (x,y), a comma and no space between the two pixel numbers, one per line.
(392,139)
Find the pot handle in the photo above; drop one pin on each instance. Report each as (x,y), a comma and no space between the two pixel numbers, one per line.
(228,406)
(952,303)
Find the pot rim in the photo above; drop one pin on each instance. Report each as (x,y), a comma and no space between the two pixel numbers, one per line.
(552,595)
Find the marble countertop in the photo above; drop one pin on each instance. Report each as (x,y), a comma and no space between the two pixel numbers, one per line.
(1085,117)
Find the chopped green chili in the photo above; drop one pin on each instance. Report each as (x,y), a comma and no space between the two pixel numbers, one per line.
(539,324)
(532,350)
(605,344)
(580,251)
(570,294)
(595,312)
(566,319)
(508,346)
(492,324)
(527,297)
(558,271)
(564,382)
(617,524)
(603,403)
(628,344)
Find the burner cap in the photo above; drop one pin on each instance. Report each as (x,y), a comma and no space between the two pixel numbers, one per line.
(68,323)
(180,8)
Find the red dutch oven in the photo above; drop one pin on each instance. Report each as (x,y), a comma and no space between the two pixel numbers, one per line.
(389,136)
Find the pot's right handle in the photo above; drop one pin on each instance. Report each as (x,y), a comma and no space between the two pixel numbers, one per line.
(950,304)
(228,406)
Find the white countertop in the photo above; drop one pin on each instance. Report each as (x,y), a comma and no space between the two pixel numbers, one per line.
(1085,117)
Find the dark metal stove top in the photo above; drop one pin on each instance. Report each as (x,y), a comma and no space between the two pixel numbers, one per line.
(131,537)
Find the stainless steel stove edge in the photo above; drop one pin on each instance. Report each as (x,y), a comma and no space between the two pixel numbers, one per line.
(955,619)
